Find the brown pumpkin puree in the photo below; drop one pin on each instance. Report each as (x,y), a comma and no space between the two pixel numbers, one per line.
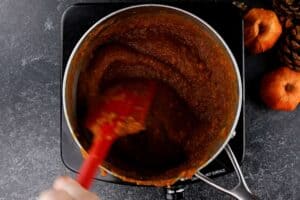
(195,104)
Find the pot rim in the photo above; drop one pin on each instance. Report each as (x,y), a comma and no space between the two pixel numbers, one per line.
(201,21)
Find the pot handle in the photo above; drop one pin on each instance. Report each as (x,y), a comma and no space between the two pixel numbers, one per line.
(175,193)
(241,191)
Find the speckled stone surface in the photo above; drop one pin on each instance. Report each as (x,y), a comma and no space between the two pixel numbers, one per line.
(30,59)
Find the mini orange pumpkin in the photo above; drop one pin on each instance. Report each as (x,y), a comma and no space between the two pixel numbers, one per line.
(262,30)
(280,89)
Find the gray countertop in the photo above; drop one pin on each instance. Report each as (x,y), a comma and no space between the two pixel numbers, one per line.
(30,64)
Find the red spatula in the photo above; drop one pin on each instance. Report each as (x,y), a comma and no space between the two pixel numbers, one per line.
(121,110)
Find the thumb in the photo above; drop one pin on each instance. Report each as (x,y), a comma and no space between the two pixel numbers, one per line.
(54,195)
(73,188)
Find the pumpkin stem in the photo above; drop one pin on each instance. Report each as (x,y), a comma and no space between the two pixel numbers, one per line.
(289,87)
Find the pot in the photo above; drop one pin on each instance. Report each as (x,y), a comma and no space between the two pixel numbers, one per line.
(215,113)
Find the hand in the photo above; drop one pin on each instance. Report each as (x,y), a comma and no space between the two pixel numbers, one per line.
(65,188)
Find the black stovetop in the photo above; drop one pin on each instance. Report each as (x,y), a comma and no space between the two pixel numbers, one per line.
(224,18)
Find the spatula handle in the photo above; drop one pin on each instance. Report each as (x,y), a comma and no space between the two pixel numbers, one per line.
(97,154)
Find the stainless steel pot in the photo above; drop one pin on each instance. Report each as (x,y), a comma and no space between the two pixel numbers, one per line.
(81,55)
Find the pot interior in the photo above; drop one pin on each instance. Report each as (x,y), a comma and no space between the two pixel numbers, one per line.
(195,106)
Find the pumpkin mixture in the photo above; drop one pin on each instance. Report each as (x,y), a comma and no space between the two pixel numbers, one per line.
(195,103)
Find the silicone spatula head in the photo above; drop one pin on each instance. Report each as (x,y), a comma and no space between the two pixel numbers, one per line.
(122,107)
